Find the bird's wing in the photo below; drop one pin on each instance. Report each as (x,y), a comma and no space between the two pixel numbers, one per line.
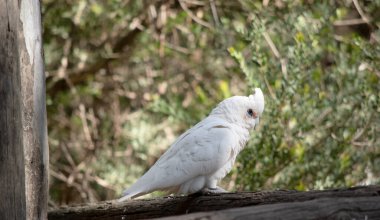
(202,150)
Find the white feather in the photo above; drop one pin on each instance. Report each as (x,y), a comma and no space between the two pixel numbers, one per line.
(204,154)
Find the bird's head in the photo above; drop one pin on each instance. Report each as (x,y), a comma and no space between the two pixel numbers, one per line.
(242,109)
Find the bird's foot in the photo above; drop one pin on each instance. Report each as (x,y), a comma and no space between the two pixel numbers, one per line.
(170,196)
(216,190)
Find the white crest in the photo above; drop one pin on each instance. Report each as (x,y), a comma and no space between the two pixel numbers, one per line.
(258,99)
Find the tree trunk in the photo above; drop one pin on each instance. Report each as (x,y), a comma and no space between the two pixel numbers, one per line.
(23,130)
(34,109)
(12,172)
(355,202)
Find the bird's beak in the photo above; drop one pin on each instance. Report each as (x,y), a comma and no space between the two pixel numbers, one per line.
(257,121)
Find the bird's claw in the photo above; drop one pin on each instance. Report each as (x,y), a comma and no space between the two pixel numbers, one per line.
(216,190)
(169,196)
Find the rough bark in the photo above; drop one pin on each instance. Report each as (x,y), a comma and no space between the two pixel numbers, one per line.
(23,131)
(33,109)
(329,202)
(12,174)
(323,208)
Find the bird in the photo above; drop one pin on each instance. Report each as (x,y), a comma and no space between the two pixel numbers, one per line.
(203,155)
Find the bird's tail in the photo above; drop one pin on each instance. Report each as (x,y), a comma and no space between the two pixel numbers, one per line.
(129,194)
(146,184)
(139,188)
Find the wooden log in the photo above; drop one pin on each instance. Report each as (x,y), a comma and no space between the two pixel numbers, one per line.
(323,208)
(36,151)
(12,173)
(169,206)
(23,131)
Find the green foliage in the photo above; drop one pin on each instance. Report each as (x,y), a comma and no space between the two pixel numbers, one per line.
(115,104)
(321,120)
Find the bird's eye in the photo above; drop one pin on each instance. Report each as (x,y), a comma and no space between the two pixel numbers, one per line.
(250,112)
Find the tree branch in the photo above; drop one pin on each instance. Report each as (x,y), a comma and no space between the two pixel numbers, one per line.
(79,76)
(169,206)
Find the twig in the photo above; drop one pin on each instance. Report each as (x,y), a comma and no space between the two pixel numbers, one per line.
(193,2)
(277,54)
(349,22)
(176,48)
(361,144)
(265,3)
(361,12)
(101,182)
(73,170)
(80,75)
(192,16)
(272,94)
(52,204)
(68,155)
(61,72)
(63,178)
(94,123)
(214,12)
(184,29)
(80,10)
(153,11)
(284,69)
(271,45)
(359,133)
(322,116)
(86,129)
(366,18)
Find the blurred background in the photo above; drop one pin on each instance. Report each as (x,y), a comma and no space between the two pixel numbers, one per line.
(126,77)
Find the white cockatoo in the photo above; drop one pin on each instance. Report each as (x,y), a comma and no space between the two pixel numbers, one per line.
(205,153)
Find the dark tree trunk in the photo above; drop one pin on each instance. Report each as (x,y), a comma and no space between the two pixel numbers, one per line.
(12,172)
(355,202)
(23,131)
